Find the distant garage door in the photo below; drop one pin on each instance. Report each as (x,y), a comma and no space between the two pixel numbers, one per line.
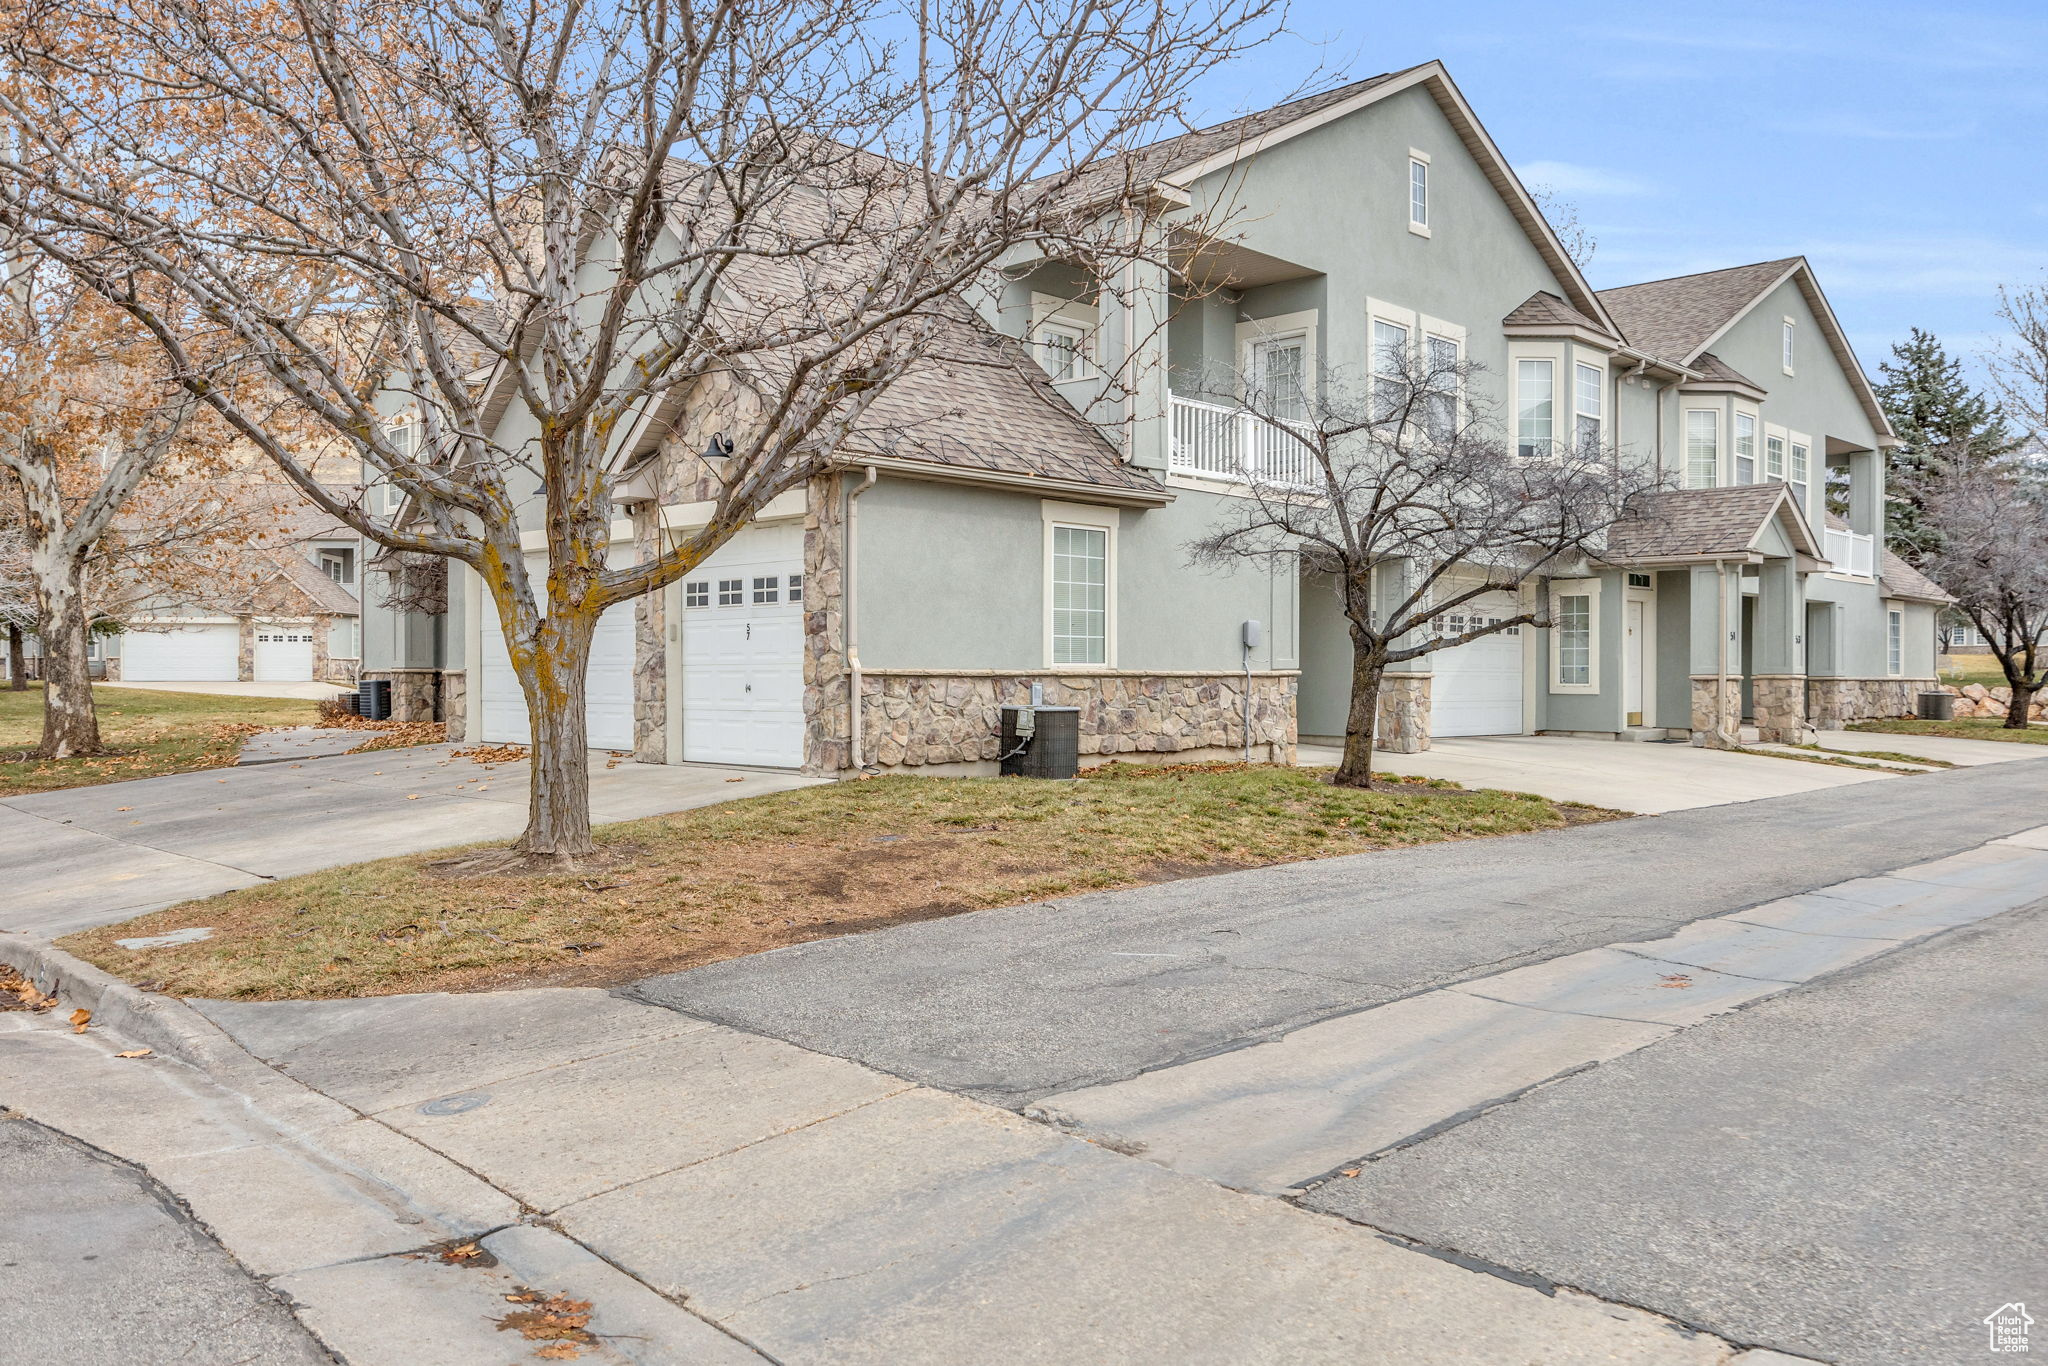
(608,701)
(1478,686)
(743,651)
(205,654)
(284,653)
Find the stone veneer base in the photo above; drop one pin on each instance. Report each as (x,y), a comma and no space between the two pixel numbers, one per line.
(1832,703)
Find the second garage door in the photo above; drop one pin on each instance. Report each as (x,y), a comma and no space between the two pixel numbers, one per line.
(187,654)
(608,684)
(284,653)
(1477,689)
(743,651)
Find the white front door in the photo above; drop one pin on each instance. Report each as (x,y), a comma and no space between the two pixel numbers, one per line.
(284,654)
(1634,659)
(1477,688)
(608,682)
(743,651)
(188,653)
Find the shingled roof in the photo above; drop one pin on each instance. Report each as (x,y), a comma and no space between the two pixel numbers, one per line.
(1676,318)
(1691,524)
(1544,309)
(1897,579)
(1712,367)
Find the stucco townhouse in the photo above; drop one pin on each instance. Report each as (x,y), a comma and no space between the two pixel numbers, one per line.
(1025,527)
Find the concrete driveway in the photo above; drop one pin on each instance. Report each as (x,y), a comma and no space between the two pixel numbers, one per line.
(315,691)
(1626,776)
(90,856)
(1962,753)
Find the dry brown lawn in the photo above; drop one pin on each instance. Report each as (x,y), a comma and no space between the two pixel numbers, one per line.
(758,873)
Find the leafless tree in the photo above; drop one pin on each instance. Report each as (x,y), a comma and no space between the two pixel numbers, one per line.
(1989,526)
(2019,366)
(748,219)
(1572,233)
(1402,489)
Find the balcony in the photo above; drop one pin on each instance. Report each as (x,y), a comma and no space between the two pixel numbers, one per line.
(1215,441)
(1852,552)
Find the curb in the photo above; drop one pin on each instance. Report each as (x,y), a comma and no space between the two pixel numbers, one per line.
(167,1025)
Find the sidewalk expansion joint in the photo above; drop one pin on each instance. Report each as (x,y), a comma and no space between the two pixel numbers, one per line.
(1744,976)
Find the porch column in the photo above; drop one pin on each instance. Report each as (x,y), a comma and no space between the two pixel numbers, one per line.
(1866,493)
(1779,672)
(1716,601)
(1142,301)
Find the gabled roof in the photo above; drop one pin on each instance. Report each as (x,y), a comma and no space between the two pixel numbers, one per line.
(1713,370)
(1544,309)
(1679,318)
(1180,161)
(1701,524)
(1897,579)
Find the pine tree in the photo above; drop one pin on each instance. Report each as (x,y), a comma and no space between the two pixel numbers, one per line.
(1941,423)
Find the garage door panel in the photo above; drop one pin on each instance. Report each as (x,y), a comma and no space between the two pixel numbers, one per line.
(197,654)
(608,683)
(1477,687)
(284,653)
(743,652)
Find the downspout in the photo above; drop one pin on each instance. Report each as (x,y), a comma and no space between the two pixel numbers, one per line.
(848,609)
(1721,667)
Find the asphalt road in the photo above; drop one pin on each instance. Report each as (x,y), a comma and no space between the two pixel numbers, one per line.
(1852,1171)
(1011,1005)
(100,1267)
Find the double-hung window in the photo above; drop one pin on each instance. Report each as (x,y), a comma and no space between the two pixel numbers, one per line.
(1535,405)
(1080,595)
(1801,471)
(1895,642)
(1440,404)
(1063,349)
(1279,370)
(1418,194)
(1774,457)
(1745,448)
(1587,386)
(1389,365)
(1788,344)
(1702,448)
(1575,646)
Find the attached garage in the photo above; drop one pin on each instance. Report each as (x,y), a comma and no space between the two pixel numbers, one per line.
(1477,688)
(608,701)
(743,651)
(284,652)
(198,654)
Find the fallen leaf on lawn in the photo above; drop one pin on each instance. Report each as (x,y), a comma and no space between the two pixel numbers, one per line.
(1680,980)
(80,1018)
(134,1053)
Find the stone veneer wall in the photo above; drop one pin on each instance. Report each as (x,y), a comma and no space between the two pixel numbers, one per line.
(416,694)
(245,650)
(1403,724)
(827,719)
(1779,704)
(1703,689)
(455,703)
(1834,702)
(650,647)
(917,719)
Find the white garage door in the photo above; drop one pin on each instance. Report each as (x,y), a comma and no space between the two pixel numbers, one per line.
(1478,686)
(190,653)
(284,654)
(743,651)
(608,700)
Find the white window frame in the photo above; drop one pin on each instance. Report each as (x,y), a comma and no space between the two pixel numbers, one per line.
(1580,365)
(1255,373)
(1283,327)
(1894,640)
(1685,446)
(1083,517)
(1430,340)
(1789,344)
(1547,443)
(1053,316)
(1418,188)
(1774,437)
(1799,452)
(1742,417)
(1588,589)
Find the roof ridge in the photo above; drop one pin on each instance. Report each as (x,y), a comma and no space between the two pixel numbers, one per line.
(1702,274)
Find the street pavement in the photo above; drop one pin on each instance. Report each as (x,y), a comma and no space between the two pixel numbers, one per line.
(89,856)
(1853,1171)
(1015,1004)
(100,1266)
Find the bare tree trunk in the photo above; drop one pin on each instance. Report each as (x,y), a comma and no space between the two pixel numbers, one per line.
(1355,770)
(558,809)
(2021,707)
(17,659)
(70,725)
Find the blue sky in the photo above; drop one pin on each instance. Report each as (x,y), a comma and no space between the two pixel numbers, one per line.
(1903,148)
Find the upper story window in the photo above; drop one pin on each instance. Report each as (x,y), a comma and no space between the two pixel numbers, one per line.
(1745,448)
(1774,456)
(1535,405)
(1789,344)
(1063,349)
(1280,373)
(339,565)
(1418,193)
(1588,396)
(1801,470)
(1389,361)
(1440,404)
(1702,448)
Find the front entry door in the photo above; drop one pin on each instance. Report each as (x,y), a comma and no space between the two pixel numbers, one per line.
(1633,648)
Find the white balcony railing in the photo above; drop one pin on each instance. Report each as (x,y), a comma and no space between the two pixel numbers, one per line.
(1852,552)
(1221,442)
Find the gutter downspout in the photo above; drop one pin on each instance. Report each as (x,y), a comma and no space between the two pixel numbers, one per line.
(851,614)
(1721,667)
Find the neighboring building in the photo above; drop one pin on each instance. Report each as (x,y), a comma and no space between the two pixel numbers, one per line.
(289,611)
(1009,540)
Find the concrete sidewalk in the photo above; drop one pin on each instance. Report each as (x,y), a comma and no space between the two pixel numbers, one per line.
(88,856)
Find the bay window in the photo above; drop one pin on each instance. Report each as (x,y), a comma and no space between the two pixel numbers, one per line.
(1745,448)
(1587,395)
(1702,448)
(1535,402)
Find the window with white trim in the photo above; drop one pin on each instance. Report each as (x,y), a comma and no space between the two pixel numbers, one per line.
(1801,470)
(1587,385)
(1895,641)
(1280,370)
(732,592)
(1440,404)
(796,588)
(1745,448)
(1702,448)
(1063,349)
(1575,637)
(1389,363)
(1535,404)
(768,588)
(1080,594)
(697,593)
(1789,344)
(1418,193)
(1774,456)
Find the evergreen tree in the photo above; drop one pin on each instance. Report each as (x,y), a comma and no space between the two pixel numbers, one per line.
(1941,423)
